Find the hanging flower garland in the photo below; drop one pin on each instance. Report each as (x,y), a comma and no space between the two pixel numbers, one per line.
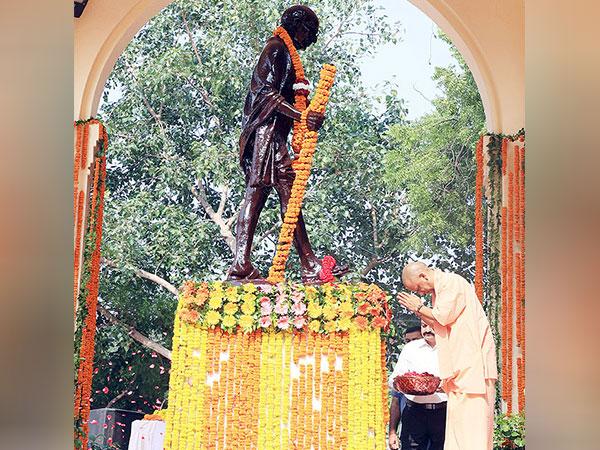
(87,297)
(521,300)
(510,288)
(301,88)
(215,397)
(503,310)
(505,241)
(302,166)
(479,220)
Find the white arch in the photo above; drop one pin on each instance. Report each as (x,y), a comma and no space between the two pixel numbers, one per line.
(106,28)
(488,33)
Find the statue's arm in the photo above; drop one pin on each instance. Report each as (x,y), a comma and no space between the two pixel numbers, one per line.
(268,78)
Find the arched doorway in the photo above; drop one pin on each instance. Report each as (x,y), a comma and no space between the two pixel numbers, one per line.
(495,59)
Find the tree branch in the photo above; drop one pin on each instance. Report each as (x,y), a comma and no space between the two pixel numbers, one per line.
(269,232)
(374,222)
(373,262)
(203,92)
(223,201)
(117,398)
(146,275)
(134,334)
(337,32)
(225,229)
(147,104)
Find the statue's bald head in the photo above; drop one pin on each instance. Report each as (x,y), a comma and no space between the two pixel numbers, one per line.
(418,277)
(302,24)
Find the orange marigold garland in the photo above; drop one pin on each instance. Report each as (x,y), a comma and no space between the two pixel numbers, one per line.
(504,155)
(504,319)
(517,231)
(76,167)
(510,279)
(77,253)
(301,88)
(479,220)
(86,312)
(84,146)
(521,362)
(518,319)
(302,168)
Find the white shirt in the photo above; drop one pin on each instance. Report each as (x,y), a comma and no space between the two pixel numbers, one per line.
(418,356)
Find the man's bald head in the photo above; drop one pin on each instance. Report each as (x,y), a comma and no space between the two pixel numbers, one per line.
(412,270)
(418,277)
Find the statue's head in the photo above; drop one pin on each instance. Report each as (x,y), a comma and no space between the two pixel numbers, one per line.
(302,24)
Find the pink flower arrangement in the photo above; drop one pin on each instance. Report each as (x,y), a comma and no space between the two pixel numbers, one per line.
(266,309)
(299,322)
(299,308)
(266,288)
(297,296)
(283,323)
(265,321)
(281,308)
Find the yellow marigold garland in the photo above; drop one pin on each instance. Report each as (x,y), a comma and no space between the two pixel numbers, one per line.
(352,404)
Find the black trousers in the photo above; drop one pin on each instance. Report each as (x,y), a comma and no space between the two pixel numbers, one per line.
(422,429)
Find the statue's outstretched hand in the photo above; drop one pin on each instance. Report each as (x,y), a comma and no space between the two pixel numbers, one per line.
(314,120)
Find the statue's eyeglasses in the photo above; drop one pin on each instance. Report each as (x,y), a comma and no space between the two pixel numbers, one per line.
(310,30)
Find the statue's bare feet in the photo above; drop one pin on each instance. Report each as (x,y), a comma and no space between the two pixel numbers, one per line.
(243,272)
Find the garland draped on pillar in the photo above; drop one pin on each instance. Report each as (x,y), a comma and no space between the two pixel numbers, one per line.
(500,255)
(88,202)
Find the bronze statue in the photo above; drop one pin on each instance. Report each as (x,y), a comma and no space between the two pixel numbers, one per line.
(266,124)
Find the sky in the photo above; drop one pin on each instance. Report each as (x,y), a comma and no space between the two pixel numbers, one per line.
(411,61)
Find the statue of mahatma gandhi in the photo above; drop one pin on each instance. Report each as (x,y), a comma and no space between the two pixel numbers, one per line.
(267,120)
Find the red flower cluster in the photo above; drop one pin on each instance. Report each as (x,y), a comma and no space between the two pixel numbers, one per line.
(327,265)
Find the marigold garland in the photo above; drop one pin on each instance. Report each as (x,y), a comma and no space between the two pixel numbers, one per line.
(292,369)
(77,252)
(76,168)
(504,155)
(504,319)
(510,279)
(521,300)
(511,261)
(479,220)
(89,287)
(302,166)
(518,261)
(84,147)
(301,88)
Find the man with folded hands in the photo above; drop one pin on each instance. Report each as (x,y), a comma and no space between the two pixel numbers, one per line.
(467,355)
(424,416)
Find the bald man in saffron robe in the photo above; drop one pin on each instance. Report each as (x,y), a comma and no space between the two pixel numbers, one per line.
(466,352)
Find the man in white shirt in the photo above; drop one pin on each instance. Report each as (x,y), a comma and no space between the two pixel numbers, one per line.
(424,417)
(398,400)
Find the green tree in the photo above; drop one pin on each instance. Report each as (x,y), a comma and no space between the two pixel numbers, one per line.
(433,161)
